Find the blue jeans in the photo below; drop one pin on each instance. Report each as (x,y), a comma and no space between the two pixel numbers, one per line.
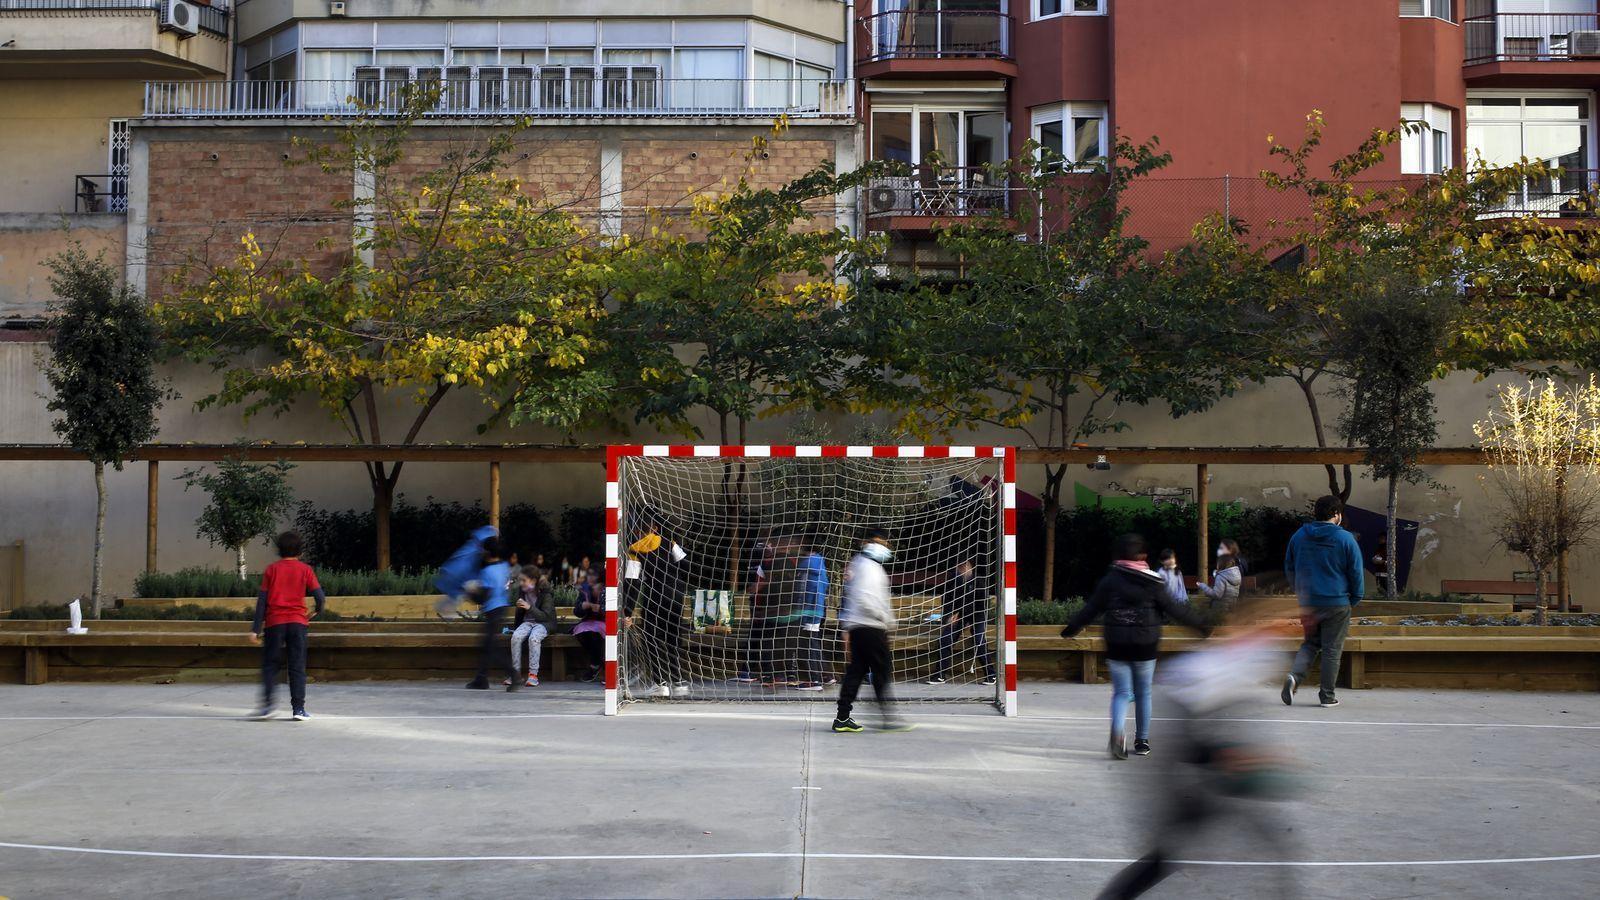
(1131,681)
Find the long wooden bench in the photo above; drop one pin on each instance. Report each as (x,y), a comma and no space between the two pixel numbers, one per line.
(1521,591)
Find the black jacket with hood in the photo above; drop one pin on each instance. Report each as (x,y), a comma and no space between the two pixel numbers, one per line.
(1135,605)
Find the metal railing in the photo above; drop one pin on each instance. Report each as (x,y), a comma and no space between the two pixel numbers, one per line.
(1564,194)
(938,192)
(213,19)
(1532,37)
(498,97)
(938,34)
(100,193)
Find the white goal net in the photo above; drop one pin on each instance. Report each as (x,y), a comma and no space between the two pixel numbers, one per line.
(726,568)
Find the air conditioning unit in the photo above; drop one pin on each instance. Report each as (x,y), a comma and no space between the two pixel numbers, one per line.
(892,196)
(180,16)
(1583,43)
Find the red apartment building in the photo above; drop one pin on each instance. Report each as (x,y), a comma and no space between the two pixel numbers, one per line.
(968,82)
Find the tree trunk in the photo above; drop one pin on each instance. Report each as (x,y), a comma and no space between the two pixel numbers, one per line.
(1561,536)
(1322,438)
(238,559)
(99,538)
(1391,539)
(1053,477)
(1539,603)
(382,505)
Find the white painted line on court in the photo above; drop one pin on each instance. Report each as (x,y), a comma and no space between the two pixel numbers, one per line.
(869,857)
(797,715)
(804,788)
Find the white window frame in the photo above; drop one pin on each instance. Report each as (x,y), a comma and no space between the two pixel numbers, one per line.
(1442,10)
(1064,113)
(1593,161)
(917,109)
(1419,150)
(1067,9)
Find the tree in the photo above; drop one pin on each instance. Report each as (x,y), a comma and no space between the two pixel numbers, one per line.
(1393,340)
(102,369)
(460,279)
(1048,335)
(732,312)
(1542,449)
(247,502)
(1445,229)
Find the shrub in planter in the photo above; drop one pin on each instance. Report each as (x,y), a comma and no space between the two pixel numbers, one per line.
(196,581)
(1053,612)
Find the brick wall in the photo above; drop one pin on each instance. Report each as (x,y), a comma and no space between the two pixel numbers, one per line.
(200,207)
(659,177)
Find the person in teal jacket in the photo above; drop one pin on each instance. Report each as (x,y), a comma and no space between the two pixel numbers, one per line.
(1324,565)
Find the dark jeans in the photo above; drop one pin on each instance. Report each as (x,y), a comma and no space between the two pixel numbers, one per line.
(806,652)
(869,652)
(291,638)
(760,649)
(1325,628)
(980,643)
(594,644)
(663,635)
(493,622)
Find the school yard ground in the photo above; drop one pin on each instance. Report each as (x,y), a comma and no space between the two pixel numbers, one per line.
(421,789)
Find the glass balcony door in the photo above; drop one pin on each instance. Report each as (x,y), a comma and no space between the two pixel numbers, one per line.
(951,153)
(1556,130)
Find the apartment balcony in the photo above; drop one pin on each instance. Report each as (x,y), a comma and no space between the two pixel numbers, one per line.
(112,39)
(941,43)
(509,93)
(931,197)
(1549,50)
(1570,195)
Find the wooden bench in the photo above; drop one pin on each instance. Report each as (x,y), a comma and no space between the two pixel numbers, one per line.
(1515,589)
(36,645)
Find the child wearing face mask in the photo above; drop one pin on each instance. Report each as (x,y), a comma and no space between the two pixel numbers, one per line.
(868,619)
(1172,577)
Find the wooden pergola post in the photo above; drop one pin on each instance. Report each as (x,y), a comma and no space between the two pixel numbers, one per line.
(1203,519)
(494,493)
(151,513)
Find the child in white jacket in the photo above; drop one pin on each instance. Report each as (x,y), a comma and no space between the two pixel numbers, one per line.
(867,615)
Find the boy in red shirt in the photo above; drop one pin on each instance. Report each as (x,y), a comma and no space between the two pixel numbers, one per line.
(281,622)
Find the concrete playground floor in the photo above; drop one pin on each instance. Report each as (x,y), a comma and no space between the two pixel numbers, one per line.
(423,789)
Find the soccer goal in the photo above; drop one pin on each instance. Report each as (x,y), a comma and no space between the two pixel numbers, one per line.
(725,568)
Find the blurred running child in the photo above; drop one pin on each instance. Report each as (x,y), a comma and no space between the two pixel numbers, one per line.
(1172,577)
(281,623)
(867,617)
(536,615)
(489,589)
(462,566)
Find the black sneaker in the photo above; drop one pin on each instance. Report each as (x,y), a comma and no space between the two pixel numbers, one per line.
(846,726)
(264,712)
(1330,703)
(301,715)
(589,676)
(1118,745)
(1141,748)
(478,684)
(937,679)
(897,725)
(513,685)
(989,679)
(1290,685)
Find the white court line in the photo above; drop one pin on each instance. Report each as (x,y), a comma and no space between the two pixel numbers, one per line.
(796,715)
(917,857)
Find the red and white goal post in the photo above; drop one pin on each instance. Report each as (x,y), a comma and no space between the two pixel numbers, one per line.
(716,556)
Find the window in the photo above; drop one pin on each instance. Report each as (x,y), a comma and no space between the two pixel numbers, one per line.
(1073,133)
(1551,128)
(1425,144)
(1044,9)
(1434,9)
(949,150)
(715,78)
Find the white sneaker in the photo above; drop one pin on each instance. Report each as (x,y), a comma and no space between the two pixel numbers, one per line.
(680,690)
(661,690)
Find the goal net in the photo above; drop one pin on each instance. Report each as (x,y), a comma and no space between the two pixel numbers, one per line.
(726,566)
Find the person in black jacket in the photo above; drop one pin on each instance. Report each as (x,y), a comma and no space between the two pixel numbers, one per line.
(1132,599)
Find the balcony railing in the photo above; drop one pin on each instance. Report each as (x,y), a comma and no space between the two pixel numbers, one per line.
(100,193)
(213,18)
(480,96)
(938,34)
(1565,194)
(939,192)
(1532,37)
